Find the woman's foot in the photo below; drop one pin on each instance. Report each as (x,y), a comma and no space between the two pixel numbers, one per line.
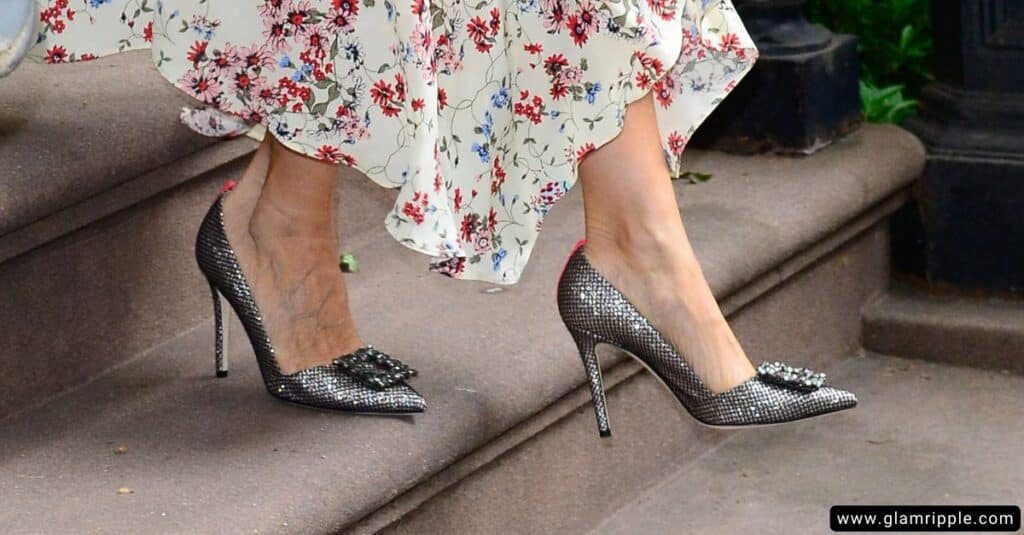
(279,220)
(636,239)
(668,287)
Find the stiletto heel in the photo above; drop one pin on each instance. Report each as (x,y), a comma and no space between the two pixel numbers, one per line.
(364,381)
(587,344)
(220,320)
(595,311)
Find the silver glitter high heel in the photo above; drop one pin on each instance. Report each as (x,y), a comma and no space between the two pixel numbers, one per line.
(595,312)
(364,381)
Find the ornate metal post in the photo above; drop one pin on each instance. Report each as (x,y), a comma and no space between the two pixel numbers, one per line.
(971,197)
(802,94)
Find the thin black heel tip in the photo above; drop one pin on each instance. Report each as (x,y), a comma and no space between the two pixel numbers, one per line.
(222,373)
(605,433)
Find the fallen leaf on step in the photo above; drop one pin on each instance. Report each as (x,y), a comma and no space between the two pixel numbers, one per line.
(121,450)
(878,442)
(348,263)
(125,490)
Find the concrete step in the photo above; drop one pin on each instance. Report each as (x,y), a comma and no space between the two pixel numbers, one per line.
(924,433)
(973,331)
(793,247)
(99,194)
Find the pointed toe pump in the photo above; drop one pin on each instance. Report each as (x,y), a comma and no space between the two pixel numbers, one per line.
(364,381)
(595,313)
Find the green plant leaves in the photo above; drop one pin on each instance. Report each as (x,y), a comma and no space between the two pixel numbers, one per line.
(895,45)
(886,104)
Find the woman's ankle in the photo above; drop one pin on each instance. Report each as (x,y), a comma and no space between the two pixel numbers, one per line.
(269,224)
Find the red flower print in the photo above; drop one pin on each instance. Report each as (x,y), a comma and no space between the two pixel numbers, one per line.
(533,48)
(297,18)
(317,42)
(328,154)
(399,87)
(197,52)
(498,178)
(531,109)
(413,211)
(418,7)
(559,90)
(666,9)
(147,32)
(383,94)
(457,200)
(649,63)
(730,41)
(57,54)
(554,63)
(492,220)
(495,23)
(277,37)
(451,267)
(578,28)
(554,15)
(417,104)
(584,150)
(442,98)
(88,56)
(643,80)
(242,81)
(663,91)
(478,30)
(676,143)
(414,208)
(470,227)
(201,86)
(342,16)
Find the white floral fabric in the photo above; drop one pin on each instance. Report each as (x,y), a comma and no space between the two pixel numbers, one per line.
(479,111)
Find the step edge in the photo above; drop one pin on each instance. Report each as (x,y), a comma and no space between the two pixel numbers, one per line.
(147,185)
(615,372)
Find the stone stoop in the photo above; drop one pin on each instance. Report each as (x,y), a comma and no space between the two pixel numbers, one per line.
(100,198)
(966,330)
(913,439)
(552,474)
(793,247)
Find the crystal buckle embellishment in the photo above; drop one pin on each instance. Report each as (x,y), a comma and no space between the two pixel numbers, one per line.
(783,374)
(374,369)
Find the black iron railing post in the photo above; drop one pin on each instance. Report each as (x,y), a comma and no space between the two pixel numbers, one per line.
(971,197)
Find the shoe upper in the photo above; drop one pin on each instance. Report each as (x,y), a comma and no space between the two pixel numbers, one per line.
(328,386)
(588,303)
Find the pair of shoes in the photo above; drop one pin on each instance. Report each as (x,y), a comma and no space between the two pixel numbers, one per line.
(17,32)
(364,381)
(592,309)
(595,312)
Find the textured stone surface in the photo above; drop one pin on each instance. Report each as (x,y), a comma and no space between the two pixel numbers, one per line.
(979,332)
(205,454)
(69,132)
(566,479)
(914,439)
(103,294)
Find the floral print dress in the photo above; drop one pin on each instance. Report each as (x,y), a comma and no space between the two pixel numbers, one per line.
(478,111)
